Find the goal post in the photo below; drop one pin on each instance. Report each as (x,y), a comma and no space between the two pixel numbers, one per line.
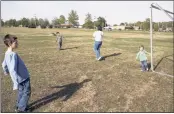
(151,32)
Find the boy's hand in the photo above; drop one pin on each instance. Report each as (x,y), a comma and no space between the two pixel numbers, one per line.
(5,73)
(15,87)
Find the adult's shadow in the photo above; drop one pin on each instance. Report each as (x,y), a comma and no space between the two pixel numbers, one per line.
(69,48)
(67,91)
(106,56)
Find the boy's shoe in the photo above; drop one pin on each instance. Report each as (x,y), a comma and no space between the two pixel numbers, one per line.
(147,69)
(142,70)
(18,111)
(99,58)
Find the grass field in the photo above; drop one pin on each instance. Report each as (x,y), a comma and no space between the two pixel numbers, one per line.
(115,84)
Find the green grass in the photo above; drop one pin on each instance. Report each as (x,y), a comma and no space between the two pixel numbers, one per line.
(117,84)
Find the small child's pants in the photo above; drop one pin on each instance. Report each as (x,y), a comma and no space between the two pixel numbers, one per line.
(144,65)
(59,45)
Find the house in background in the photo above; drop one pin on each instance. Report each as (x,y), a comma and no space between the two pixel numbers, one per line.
(136,27)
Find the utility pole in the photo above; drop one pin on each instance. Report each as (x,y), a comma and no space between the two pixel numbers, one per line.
(105,21)
(35,18)
(94,21)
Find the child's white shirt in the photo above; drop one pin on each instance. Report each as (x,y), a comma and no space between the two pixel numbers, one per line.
(98,35)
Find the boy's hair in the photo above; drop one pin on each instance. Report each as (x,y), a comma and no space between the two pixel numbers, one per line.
(141,46)
(57,33)
(9,39)
(99,28)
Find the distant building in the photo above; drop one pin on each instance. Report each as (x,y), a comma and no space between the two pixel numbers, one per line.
(136,27)
(121,27)
(20,26)
(169,29)
(80,26)
(38,26)
(66,25)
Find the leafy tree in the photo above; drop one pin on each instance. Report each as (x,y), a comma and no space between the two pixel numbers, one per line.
(55,22)
(32,23)
(62,19)
(100,22)
(88,17)
(2,22)
(155,26)
(73,18)
(122,24)
(25,22)
(89,25)
(146,24)
(88,22)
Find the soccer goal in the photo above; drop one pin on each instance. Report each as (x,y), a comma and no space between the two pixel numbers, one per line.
(153,66)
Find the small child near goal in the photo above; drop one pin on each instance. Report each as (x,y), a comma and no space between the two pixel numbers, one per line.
(141,55)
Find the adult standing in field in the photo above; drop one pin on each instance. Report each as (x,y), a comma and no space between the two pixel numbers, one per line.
(98,37)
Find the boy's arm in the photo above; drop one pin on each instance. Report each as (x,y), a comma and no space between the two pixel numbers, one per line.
(13,70)
(137,56)
(93,35)
(102,33)
(146,52)
(4,67)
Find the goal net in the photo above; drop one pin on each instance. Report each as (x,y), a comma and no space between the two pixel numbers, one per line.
(161,41)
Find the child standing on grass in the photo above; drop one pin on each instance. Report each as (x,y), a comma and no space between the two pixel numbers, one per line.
(15,67)
(59,39)
(98,37)
(141,55)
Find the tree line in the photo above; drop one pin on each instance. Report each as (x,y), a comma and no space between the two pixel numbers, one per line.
(73,19)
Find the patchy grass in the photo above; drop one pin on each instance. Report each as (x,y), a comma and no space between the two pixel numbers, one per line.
(116,84)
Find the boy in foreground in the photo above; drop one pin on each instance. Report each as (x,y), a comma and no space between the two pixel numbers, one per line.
(15,67)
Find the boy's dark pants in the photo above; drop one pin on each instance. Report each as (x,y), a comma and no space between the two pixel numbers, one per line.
(59,45)
(24,92)
(144,65)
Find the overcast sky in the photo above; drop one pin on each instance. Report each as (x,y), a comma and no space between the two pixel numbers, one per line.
(114,11)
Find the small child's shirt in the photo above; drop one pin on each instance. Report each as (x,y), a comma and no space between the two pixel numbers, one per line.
(14,66)
(141,55)
(59,38)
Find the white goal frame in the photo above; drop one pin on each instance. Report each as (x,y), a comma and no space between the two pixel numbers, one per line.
(151,33)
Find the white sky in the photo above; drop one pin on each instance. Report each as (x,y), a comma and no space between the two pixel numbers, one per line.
(114,11)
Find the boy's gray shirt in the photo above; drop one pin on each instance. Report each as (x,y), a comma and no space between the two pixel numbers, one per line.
(59,38)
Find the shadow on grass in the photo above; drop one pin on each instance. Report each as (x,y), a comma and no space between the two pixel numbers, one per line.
(111,55)
(162,60)
(70,48)
(67,91)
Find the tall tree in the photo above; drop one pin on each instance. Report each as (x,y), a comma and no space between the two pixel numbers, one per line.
(122,24)
(73,17)
(62,19)
(46,22)
(88,17)
(2,22)
(155,26)
(32,23)
(25,22)
(100,22)
(146,24)
(88,22)
(55,21)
